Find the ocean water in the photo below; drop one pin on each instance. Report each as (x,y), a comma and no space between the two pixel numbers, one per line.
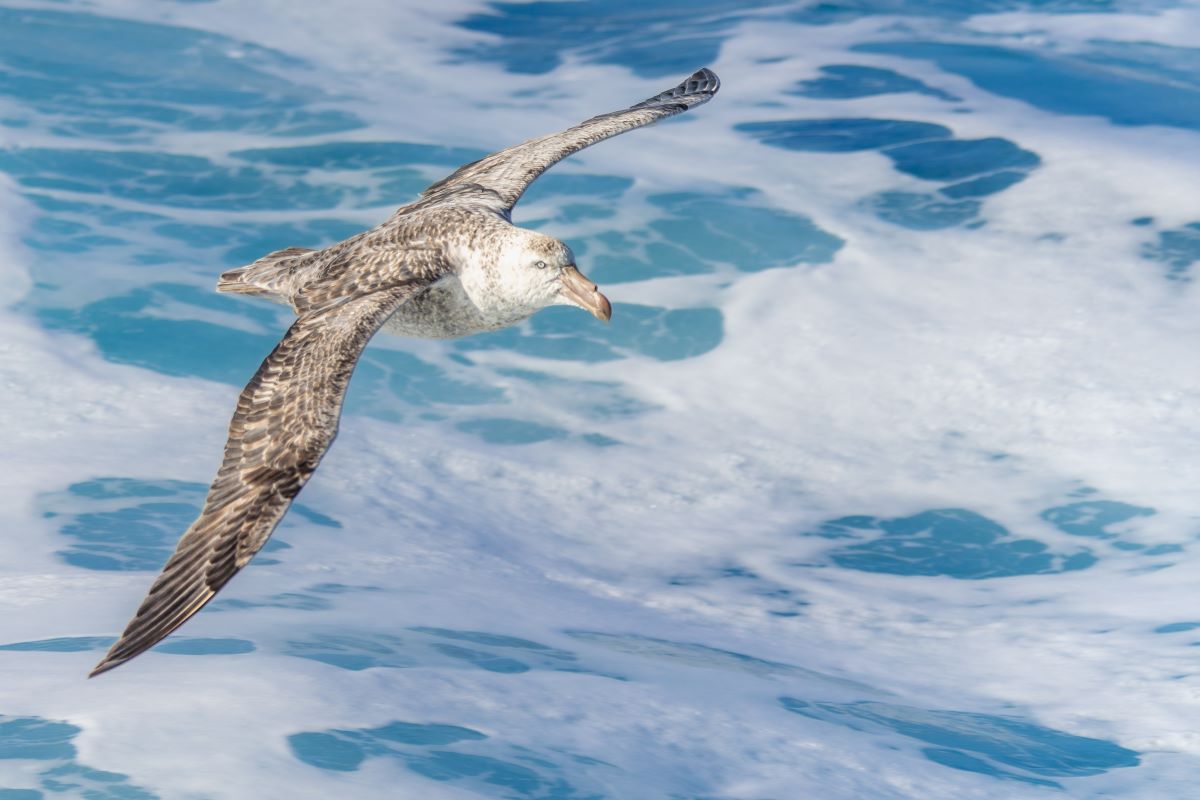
(881,483)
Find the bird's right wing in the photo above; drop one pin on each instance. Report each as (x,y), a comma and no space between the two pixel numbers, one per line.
(286,418)
(505,175)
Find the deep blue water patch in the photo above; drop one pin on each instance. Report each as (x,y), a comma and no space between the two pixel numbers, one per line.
(569,186)
(386,173)
(110,233)
(348,156)
(119,523)
(504,430)
(243,243)
(839,135)
(1177,627)
(1003,747)
(35,738)
(1094,518)
(970,169)
(316,518)
(1127,85)
(180,646)
(920,211)
(199,646)
(127,330)
(701,233)
(85,75)
(670,38)
(453,753)
(1108,521)
(845,81)
(62,644)
(1176,248)
(168,179)
(953,542)
(437,647)
(958,159)
(831,12)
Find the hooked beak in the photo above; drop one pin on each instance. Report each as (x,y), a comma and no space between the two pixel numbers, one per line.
(581,292)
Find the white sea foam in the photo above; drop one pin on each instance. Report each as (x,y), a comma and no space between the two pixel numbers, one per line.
(998,370)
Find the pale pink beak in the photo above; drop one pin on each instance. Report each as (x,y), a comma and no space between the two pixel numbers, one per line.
(583,293)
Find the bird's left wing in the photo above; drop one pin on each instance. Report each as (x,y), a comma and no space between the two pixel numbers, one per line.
(505,175)
(286,418)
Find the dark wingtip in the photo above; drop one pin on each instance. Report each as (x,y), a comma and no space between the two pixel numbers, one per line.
(703,81)
(697,88)
(112,659)
(104,666)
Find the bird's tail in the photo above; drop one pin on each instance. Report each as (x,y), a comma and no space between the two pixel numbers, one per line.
(272,276)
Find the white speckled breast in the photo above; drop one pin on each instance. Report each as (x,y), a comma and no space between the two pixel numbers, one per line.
(444,311)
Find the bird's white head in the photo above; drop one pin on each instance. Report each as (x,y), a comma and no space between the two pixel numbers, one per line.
(541,270)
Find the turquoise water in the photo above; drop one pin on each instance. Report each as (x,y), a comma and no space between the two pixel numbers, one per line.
(878,485)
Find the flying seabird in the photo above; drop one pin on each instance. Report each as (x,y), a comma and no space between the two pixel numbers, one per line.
(449,264)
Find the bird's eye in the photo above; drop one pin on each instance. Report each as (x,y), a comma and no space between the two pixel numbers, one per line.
(540,264)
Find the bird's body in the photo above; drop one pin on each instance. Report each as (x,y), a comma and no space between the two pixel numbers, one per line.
(450,264)
(466,251)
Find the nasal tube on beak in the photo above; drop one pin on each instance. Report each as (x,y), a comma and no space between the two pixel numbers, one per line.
(583,293)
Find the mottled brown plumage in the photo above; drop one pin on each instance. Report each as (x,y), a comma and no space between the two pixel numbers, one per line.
(449,264)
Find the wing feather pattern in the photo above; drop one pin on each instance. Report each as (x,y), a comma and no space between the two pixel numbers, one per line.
(286,418)
(507,173)
(287,415)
